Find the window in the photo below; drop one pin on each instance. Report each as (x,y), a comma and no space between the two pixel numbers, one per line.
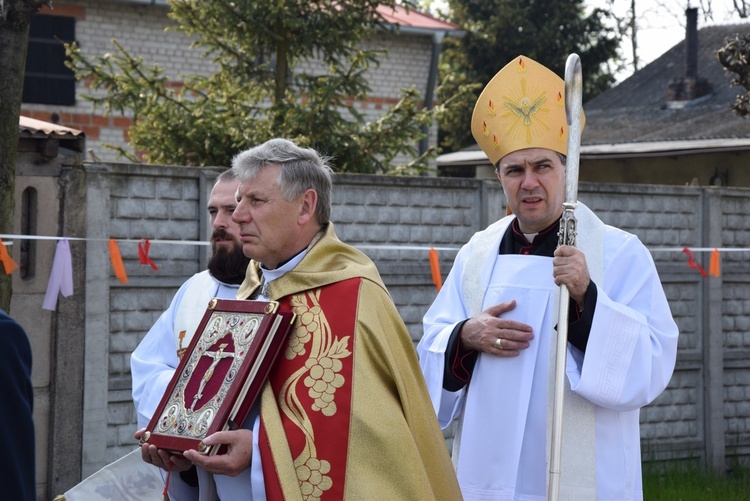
(47,79)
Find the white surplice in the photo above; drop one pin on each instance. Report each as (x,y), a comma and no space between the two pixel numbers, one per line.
(504,412)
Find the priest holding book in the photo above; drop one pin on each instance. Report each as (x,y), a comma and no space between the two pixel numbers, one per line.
(345,412)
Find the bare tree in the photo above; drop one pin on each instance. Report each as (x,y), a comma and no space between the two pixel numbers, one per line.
(633,34)
(15,17)
(742,7)
(735,57)
(639,11)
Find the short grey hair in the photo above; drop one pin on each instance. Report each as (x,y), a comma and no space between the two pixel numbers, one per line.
(225,177)
(301,169)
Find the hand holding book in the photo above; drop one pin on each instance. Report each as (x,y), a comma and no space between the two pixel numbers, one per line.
(220,375)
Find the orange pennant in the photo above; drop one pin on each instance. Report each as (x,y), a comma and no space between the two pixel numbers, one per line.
(5,258)
(714,267)
(114,256)
(435,267)
(143,246)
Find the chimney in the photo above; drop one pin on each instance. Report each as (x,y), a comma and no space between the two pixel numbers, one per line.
(682,90)
(691,43)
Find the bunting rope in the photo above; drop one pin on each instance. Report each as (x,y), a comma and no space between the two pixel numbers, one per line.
(700,249)
(363,246)
(61,276)
(123,240)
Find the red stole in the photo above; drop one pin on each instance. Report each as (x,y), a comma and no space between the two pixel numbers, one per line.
(312,385)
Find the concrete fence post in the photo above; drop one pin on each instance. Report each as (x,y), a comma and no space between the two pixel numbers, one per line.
(713,338)
(97,321)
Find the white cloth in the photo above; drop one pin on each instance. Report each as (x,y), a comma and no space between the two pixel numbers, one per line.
(628,362)
(127,479)
(154,361)
(486,270)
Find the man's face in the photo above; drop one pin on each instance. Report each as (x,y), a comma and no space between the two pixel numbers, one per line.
(534,184)
(270,227)
(227,263)
(221,205)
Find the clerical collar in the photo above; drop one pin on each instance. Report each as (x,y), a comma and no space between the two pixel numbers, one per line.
(271,275)
(544,242)
(284,263)
(262,293)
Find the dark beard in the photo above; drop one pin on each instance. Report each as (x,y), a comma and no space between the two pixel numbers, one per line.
(228,265)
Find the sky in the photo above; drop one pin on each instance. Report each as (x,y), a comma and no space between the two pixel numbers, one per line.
(661,24)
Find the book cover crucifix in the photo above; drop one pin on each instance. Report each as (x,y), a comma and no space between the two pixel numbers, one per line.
(221,373)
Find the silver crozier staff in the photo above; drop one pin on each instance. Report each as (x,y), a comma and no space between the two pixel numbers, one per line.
(567,236)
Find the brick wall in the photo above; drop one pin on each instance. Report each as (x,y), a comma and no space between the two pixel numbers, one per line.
(735,314)
(407,214)
(158,204)
(703,412)
(672,426)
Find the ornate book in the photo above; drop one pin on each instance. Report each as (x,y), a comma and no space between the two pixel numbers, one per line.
(221,374)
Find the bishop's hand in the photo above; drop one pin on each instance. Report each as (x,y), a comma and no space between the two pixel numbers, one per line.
(569,268)
(498,336)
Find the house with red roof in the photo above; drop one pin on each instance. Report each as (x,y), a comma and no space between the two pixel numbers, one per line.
(411,38)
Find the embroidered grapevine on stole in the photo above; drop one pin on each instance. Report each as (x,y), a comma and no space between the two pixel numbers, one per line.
(320,375)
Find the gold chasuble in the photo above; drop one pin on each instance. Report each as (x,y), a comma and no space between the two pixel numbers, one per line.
(345,413)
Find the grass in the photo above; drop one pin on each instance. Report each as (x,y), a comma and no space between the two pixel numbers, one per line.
(677,482)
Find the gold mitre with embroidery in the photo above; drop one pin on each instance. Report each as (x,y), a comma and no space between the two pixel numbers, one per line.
(522,107)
